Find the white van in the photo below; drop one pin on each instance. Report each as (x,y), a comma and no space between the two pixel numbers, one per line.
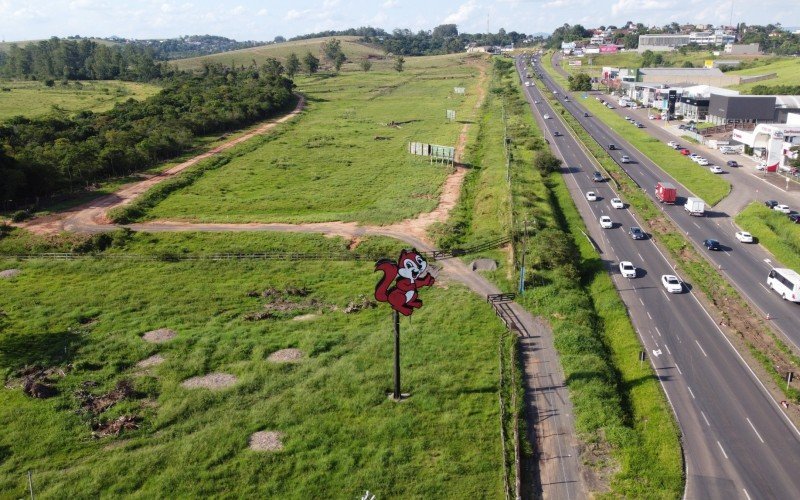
(727,150)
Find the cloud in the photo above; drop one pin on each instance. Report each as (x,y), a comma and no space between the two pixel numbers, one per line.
(296,14)
(462,14)
(238,10)
(627,7)
(388,4)
(262,12)
(327,4)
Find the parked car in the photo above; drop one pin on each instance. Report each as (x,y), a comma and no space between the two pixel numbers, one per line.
(628,118)
(711,244)
(770,203)
(605,222)
(795,218)
(732,163)
(782,208)
(715,169)
(597,176)
(685,152)
(625,159)
(672,144)
(672,283)
(694,157)
(639,125)
(744,236)
(591,196)
(627,269)
(703,162)
(610,106)
(617,203)
(636,233)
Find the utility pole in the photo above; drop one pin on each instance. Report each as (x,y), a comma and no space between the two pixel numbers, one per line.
(524,251)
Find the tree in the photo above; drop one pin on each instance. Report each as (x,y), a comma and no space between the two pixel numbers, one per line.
(272,68)
(366,65)
(445,31)
(310,63)
(687,64)
(292,65)
(546,162)
(279,39)
(580,82)
(340,59)
(398,63)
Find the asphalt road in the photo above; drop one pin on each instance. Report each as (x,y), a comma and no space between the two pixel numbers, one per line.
(744,265)
(737,441)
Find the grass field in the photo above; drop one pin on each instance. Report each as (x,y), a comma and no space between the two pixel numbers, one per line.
(592,64)
(354,51)
(33,99)
(341,434)
(788,70)
(710,187)
(346,157)
(774,231)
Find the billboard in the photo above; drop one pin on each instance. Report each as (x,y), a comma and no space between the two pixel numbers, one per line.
(435,151)
(575,62)
(605,49)
(673,96)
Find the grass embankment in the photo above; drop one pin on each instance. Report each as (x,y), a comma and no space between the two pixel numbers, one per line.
(352,48)
(341,435)
(787,70)
(770,351)
(710,187)
(621,414)
(592,64)
(356,170)
(32,99)
(779,235)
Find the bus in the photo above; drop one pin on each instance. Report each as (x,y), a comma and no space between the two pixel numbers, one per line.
(786,282)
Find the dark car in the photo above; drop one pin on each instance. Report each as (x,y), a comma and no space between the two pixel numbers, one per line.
(732,163)
(636,233)
(711,244)
(770,203)
(795,218)
(597,176)
(556,134)
(586,115)
(639,125)
(611,147)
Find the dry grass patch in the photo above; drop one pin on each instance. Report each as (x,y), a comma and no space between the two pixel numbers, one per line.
(266,441)
(153,360)
(211,381)
(9,273)
(286,356)
(159,336)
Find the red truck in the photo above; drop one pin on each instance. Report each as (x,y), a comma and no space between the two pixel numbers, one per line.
(666,192)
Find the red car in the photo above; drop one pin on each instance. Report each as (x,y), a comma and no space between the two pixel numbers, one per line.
(685,152)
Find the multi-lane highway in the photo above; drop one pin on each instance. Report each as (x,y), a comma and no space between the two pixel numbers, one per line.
(736,439)
(745,265)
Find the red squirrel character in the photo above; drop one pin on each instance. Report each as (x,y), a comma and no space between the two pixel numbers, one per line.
(403,295)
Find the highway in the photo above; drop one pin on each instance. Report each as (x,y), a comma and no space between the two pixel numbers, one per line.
(737,441)
(744,265)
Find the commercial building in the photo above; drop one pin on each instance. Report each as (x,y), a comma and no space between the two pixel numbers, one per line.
(724,109)
(711,38)
(694,101)
(772,142)
(660,43)
(742,49)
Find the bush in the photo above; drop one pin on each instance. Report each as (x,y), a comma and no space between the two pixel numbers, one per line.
(20,215)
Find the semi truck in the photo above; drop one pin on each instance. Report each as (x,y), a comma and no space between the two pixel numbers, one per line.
(666,192)
(695,206)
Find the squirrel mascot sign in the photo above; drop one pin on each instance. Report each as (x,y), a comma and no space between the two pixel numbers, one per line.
(411,273)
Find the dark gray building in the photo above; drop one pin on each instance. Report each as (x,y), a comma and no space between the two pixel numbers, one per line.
(724,109)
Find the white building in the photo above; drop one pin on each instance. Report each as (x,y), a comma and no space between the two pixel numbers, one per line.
(773,141)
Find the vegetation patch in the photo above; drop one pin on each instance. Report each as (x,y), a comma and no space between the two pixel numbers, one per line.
(341,432)
(773,230)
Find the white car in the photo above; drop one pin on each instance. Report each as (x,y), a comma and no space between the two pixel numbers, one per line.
(672,283)
(703,162)
(782,208)
(610,106)
(715,169)
(617,203)
(546,117)
(535,101)
(527,84)
(672,144)
(760,166)
(625,159)
(605,222)
(744,236)
(627,269)
(694,157)
(591,196)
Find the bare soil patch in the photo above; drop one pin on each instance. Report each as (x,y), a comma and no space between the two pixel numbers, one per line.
(9,273)
(115,427)
(95,404)
(361,303)
(159,336)
(213,381)
(38,382)
(154,360)
(286,356)
(306,317)
(266,441)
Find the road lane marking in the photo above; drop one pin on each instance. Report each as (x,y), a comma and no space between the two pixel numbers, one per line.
(648,315)
(640,256)
(746,493)
(701,348)
(667,348)
(640,300)
(698,225)
(764,287)
(722,450)
(679,368)
(754,429)
(690,391)
(665,295)
(657,331)
(704,418)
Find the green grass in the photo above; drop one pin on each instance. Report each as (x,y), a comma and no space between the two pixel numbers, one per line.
(341,434)
(592,64)
(354,51)
(341,160)
(32,99)
(787,69)
(710,187)
(620,411)
(774,231)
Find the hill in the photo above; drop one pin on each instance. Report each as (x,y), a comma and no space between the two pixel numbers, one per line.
(22,43)
(352,48)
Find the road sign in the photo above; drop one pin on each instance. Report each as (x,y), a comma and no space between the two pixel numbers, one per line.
(459,90)
(434,151)
(451,114)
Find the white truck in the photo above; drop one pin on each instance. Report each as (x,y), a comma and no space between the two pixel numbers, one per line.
(695,206)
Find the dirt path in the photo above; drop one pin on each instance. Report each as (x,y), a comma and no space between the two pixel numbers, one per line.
(83,217)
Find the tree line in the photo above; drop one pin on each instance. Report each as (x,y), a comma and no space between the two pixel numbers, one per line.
(54,154)
(82,59)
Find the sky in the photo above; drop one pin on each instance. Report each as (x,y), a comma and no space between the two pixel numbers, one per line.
(264,20)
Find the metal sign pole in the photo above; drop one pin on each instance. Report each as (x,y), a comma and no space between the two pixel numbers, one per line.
(396,356)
